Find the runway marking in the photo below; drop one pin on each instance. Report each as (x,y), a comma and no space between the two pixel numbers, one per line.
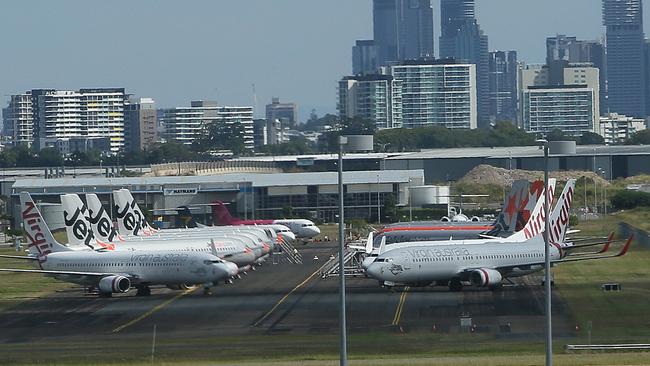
(400,306)
(268,313)
(153,310)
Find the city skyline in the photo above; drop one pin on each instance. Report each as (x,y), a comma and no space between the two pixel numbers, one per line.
(174,53)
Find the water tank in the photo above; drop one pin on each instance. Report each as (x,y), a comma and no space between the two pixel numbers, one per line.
(562,147)
(429,195)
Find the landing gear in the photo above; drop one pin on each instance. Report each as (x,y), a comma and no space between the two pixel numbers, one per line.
(143,291)
(105,294)
(455,285)
(207,291)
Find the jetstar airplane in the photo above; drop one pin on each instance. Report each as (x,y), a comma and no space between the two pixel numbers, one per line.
(115,271)
(92,227)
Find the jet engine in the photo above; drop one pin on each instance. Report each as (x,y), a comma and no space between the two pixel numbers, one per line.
(185,286)
(483,277)
(475,219)
(114,284)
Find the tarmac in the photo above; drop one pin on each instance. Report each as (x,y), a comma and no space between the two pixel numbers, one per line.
(285,298)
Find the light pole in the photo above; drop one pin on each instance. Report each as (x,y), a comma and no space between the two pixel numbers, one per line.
(343,327)
(410,204)
(378,202)
(604,192)
(547,260)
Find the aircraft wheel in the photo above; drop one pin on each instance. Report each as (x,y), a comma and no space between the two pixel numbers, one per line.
(455,285)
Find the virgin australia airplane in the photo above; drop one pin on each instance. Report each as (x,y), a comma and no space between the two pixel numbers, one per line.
(115,271)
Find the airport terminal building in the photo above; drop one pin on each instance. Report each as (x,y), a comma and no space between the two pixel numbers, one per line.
(311,195)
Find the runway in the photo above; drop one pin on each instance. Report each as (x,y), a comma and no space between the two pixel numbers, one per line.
(282,298)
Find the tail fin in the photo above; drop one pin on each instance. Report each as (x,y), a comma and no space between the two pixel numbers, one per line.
(560,216)
(507,219)
(130,220)
(76,219)
(369,243)
(220,214)
(185,217)
(100,222)
(41,241)
(535,223)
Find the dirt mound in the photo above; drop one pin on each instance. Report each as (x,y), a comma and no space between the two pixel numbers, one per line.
(487,174)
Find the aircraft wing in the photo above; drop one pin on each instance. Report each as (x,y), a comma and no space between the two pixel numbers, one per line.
(18,257)
(68,273)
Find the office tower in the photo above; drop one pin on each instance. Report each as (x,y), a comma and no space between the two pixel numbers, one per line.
(503,86)
(364,57)
(377,98)
(403,29)
(616,128)
(186,124)
(463,40)
(18,120)
(437,93)
(141,124)
(285,112)
(626,74)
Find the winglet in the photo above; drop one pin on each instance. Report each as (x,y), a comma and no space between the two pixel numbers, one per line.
(382,246)
(369,243)
(626,247)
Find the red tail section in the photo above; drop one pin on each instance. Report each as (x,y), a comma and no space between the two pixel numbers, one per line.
(221,215)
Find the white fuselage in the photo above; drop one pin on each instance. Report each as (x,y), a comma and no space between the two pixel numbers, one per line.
(159,267)
(302,228)
(428,263)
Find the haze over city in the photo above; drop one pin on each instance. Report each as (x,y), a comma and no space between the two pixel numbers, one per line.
(175,52)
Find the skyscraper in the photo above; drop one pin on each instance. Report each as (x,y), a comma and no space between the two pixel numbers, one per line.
(626,72)
(503,85)
(462,39)
(364,57)
(377,98)
(403,29)
(140,124)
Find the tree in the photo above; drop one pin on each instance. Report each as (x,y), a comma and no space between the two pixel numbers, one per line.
(590,138)
(222,136)
(557,135)
(389,210)
(357,126)
(640,138)
(50,157)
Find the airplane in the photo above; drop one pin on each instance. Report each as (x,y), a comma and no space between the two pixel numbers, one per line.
(483,265)
(516,210)
(114,271)
(131,221)
(303,228)
(92,225)
(532,227)
(185,215)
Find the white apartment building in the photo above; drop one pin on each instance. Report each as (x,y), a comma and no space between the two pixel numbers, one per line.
(18,119)
(615,128)
(186,124)
(435,93)
(377,98)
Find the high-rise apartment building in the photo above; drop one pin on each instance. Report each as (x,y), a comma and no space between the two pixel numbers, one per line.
(437,93)
(569,108)
(365,57)
(18,120)
(141,124)
(463,40)
(186,124)
(626,73)
(377,98)
(503,86)
(287,113)
(403,29)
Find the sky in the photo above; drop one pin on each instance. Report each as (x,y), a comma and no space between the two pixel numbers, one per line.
(178,51)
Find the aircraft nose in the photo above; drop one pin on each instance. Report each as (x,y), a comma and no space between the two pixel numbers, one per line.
(367,262)
(232,268)
(315,230)
(373,270)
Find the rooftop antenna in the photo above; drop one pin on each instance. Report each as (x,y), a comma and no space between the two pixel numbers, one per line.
(254,100)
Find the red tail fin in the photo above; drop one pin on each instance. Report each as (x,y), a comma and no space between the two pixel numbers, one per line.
(220,214)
